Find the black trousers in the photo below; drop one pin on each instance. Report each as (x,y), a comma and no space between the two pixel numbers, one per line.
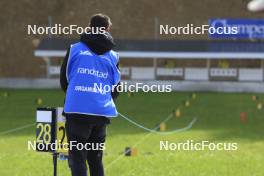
(81,131)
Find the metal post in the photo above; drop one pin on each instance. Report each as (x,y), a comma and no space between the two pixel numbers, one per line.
(47,61)
(55,163)
(262,67)
(50,25)
(156,27)
(208,63)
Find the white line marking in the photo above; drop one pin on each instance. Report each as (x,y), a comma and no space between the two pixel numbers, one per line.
(139,142)
(16,129)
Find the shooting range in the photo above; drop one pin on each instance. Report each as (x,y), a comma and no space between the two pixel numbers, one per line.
(197,89)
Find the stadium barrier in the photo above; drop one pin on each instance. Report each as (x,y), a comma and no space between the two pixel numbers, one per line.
(213,86)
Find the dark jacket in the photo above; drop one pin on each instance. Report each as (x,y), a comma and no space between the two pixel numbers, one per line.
(99,44)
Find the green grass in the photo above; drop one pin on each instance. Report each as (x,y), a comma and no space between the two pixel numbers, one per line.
(218,121)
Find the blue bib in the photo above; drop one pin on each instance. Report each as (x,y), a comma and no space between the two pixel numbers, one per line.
(91,78)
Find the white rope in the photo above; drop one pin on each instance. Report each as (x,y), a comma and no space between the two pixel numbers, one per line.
(155,129)
(151,131)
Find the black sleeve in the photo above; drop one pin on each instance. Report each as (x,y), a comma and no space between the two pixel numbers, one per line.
(63,78)
(115,92)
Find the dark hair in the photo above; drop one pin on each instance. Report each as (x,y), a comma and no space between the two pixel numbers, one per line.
(100,20)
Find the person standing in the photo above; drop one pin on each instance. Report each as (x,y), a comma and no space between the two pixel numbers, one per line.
(89,64)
